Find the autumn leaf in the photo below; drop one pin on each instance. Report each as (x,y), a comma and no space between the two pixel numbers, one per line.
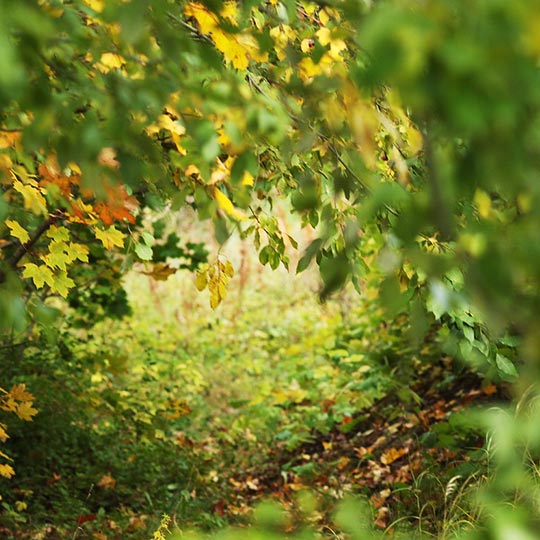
(110,237)
(17,231)
(392,455)
(109,61)
(226,205)
(19,393)
(107,481)
(161,271)
(62,283)
(77,251)
(6,470)
(39,274)
(25,411)
(32,196)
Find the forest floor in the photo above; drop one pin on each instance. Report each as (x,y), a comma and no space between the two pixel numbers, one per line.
(201,415)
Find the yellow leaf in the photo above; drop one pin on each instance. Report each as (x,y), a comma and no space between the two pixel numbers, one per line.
(229,11)
(6,470)
(229,270)
(201,280)
(207,21)
(32,196)
(25,411)
(483,203)
(62,283)
(96,5)
(3,433)
(214,299)
(17,231)
(392,455)
(20,506)
(192,170)
(39,274)
(227,206)
(247,179)
(232,50)
(308,68)
(8,139)
(19,393)
(59,234)
(57,257)
(110,61)
(77,251)
(110,237)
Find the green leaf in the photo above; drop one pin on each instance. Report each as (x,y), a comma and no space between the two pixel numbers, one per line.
(144,252)
(506,365)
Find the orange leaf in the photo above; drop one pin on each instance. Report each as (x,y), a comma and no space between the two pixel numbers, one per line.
(107,481)
(392,455)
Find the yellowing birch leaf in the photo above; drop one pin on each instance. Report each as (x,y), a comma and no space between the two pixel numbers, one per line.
(483,203)
(96,5)
(229,11)
(226,205)
(214,299)
(228,269)
(110,237)
(17,231)
(247,179)
(206,20)
(39,274)
(232,50)
(201,280)
(110,61)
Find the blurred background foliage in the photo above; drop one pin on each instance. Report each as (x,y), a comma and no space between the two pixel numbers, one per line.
(393,145)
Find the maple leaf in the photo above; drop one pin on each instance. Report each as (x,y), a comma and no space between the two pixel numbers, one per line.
(77,252)
(6,470)
(25,411)
(57,257)
(52,175)
(39,274)
(19,393)
(8,139)
(32,196)
(58,234)
(3,433)
(17,231)
(62,283)
(110,237)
